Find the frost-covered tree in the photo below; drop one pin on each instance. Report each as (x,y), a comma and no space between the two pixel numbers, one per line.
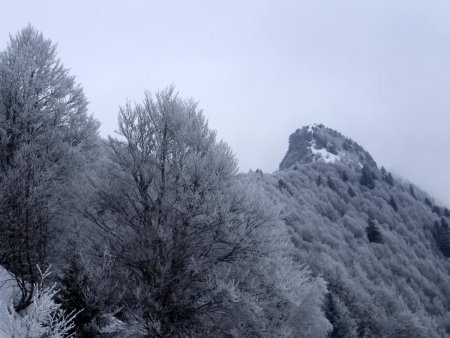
(44,129)
(199,248)
(344,325)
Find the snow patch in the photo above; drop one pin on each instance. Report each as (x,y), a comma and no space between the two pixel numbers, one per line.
(8,286)
(323,154)
(112,325)
(42,318)
(8,290)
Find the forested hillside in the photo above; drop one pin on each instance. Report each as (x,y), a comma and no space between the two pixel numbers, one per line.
(381,243)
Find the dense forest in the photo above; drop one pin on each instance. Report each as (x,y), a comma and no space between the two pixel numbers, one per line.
(153,232)
(380,243)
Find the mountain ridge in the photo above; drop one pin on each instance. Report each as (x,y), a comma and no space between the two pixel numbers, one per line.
(381,243)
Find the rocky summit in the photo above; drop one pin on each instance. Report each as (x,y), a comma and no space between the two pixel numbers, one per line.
(319,143)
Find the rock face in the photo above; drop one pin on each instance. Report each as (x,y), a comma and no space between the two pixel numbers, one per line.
(319,143)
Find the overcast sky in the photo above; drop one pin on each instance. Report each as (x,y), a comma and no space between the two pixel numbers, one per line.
(377,71)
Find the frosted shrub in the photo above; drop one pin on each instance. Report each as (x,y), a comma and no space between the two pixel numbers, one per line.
(43,318)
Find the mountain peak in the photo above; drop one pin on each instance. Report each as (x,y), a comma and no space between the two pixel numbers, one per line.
(318,143)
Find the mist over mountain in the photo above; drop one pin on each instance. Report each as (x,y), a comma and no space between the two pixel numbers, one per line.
(381,243)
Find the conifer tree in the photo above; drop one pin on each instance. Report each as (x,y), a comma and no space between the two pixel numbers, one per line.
(446,213)
(393,204)
(319,180)
(390,179)
(367,177)
(373,233)
(436,210)
(428,202)
(442,236)
(331,184)
(344,326)
(412,192)
(350,192)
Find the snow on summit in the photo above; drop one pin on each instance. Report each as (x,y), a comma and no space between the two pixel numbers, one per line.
(323,154)
(316,142)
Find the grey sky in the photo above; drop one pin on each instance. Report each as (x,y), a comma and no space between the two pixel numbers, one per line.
(377,71)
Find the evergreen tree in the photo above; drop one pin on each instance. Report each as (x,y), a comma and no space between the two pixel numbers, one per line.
(282,184)
(331,184)
(344,325)
(393,204)
(350,192)
(75,292)
(367,177)
(446,213)
(319,180)
(373,233)
(387,177)
(411,191)
(442,236)
(428,202)
(436,210)
(390,179)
